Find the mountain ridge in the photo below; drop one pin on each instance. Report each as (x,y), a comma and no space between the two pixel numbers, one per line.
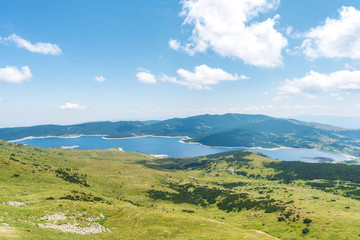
(245,130)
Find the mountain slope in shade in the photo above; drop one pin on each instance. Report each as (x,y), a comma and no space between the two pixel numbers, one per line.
(93,128)
(280,132)
(191,126)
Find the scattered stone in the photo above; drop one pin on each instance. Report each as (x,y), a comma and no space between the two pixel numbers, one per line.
(54,217)
(93,228)
(17,204)
(251,215)
(231,170)
(92,219)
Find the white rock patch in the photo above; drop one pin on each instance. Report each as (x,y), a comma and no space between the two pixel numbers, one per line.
(54,217)
(92,219)
(17,204)
(74,228)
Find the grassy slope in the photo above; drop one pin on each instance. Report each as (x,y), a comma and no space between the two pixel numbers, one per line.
(123,181)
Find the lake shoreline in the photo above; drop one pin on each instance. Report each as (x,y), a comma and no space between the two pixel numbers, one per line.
(159,136)
(182,140)
(65,136)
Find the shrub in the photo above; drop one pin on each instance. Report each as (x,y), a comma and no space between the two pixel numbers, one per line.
(187,211)
(305,231)
(307,220)
(66,175)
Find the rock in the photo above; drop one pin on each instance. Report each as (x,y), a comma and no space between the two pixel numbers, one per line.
(93,228)
(17,204)
(54,217)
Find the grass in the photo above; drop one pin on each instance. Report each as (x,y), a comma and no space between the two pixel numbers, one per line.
(123,181)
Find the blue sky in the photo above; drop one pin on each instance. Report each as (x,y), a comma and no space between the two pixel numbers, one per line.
(78,61)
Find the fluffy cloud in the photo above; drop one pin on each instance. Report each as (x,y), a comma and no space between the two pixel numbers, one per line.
(202,77)
(174,44)
(304,107)
(315,82)
(145,76)
(229,28)
(99,78)
(12,74)
(258,108)
(72,106)
(40,47)
(289,109)
(336,38)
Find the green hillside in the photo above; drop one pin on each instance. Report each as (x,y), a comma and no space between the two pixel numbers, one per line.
(52,193)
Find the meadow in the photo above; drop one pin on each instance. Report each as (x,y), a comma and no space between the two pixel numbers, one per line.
(107,194)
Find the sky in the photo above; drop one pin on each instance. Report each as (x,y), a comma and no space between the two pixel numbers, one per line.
(64,62)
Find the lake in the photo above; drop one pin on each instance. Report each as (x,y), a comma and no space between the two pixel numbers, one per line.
(173,147)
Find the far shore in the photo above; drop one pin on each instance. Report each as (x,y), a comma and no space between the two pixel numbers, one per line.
(141,136)
(66,136)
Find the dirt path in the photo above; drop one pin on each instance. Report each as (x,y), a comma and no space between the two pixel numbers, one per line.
(267,234)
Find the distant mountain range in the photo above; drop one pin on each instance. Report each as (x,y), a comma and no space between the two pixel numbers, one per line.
(214,130)
(341,121)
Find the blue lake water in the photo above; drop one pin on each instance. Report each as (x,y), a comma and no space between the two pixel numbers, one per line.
(172,147)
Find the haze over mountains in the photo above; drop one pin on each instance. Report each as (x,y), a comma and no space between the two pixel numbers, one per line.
(341,121)
(229,130)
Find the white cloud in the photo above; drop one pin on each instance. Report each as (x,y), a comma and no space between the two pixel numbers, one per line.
(289,31)
(202,77)
(304,107)
(12,74)
(336,38)
(99,78)
(314,83)
(230,29)
(145,76)
(39,47)
(72,106)
(279,97)
(174,44)
(257,108)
